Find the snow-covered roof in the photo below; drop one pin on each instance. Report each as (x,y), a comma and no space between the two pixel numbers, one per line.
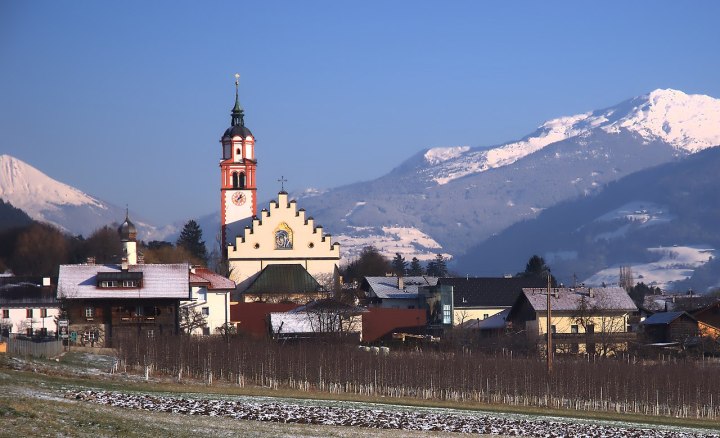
(571,299)
(387,287)
(158,281)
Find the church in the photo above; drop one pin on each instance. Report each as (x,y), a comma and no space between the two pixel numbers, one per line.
(280,255)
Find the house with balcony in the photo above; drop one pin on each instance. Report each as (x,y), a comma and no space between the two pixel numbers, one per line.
(582,320)
(104,302)
(210,299)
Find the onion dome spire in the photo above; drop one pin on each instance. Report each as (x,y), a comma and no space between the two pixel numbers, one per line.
(127,231)
(238,115)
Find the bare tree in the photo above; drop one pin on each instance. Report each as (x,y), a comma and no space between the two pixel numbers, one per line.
(603,325)
(191,319)
(332,317)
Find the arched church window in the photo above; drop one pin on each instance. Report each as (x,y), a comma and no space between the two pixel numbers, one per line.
(235,180)
(283,237)
(241,180)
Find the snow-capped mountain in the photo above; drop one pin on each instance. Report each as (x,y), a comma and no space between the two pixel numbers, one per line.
(689,123)
(47,200)
(459,196)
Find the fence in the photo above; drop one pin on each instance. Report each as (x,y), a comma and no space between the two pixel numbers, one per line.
(25,347)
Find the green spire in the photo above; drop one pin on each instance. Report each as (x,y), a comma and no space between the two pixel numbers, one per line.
(237,111)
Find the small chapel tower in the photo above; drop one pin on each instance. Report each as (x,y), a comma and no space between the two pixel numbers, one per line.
(238,191)
(128,236)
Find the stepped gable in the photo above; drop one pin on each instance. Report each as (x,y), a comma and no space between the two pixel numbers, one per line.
(305,239)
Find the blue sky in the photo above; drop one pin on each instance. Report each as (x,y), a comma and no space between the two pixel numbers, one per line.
(127,100)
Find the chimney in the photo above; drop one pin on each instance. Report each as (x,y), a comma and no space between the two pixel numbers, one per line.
(46,281)
(591,293)
(90,260)
(401,283)
(124,264)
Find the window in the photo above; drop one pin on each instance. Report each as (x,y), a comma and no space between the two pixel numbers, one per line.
(235,180)
(29,331)
(139,311)
(447,314)
(151,333)
(89,312)
(6,313)
(485,316)
(43,313)
(553,329)
(205,311)
(241,180)
(90,336)
(43,331)
(590,329)
(28,313)
(129,283)
(206,331)
(574,328)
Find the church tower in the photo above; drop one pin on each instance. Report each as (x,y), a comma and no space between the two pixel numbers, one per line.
(238,192)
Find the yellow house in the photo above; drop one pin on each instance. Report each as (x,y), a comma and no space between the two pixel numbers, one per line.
(583,320)
(479,298)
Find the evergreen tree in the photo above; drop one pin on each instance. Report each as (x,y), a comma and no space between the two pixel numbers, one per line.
(399,265)
(370,263)
(191,240)
(415,267)
(437,267)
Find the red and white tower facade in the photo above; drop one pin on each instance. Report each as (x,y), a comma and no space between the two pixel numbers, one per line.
(238,192)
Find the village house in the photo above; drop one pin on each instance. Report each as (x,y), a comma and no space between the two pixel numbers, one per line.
(392,292)
(480,298)
(583,320)
(209,307)
(103,302)
(670,328)
(28,307)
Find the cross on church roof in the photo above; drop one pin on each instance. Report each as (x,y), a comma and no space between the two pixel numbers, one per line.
(282,182)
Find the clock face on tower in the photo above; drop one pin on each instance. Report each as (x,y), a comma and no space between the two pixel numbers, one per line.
(239,198)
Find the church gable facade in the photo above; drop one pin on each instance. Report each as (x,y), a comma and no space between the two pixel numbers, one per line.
(283,235)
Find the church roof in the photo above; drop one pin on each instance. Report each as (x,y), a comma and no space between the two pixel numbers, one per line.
(237,131)
(283,279)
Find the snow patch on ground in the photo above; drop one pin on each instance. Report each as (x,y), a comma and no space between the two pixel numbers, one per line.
(408,241)
(438,155)
(674,264)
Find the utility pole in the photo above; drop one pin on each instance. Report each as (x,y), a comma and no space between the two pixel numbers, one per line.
(549,327)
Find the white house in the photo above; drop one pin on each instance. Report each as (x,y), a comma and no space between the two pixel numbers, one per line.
(210,296)
(28,306)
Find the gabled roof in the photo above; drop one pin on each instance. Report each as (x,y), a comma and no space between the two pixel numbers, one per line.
(664,318)
(571,299)
(387,287)
(489,291)
(283,279)
(211,280)
(158,281)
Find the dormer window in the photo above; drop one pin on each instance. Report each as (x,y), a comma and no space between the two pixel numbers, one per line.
(119,280)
